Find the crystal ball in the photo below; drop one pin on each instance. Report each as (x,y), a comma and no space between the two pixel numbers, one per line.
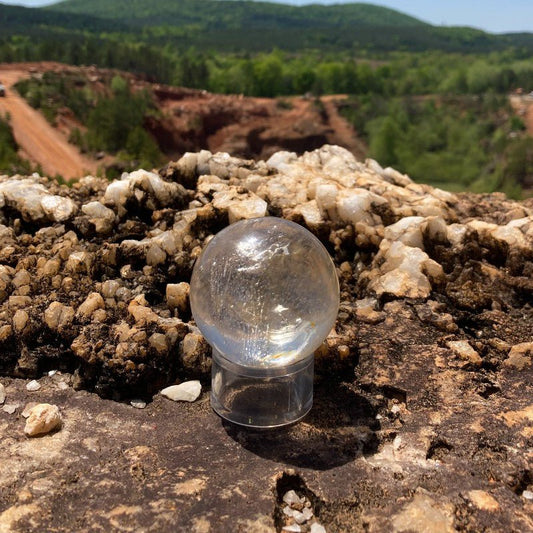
(265,293)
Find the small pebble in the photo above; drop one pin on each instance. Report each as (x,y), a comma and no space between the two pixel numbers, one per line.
(43,419)
(52,373)
(27,410)
(527,494)
(291,498)
(299,517)
(395,409)
(2,394)
(138,404)
(308,514)
(62,385)
(10,408)
(187,391)
(33,386)
(294,528)
(317,528)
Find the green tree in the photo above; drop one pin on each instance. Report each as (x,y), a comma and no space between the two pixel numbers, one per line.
(385,138)
(267,72)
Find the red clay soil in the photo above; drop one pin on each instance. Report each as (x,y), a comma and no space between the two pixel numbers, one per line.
(247,127)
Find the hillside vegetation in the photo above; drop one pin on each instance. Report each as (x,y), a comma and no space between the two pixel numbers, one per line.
(228,14)
(453,142)
(236,26)
(10,161)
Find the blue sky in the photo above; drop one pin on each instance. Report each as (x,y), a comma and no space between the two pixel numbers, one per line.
(490,15)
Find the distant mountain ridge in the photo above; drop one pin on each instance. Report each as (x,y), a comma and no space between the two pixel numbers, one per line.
(237,26)
(237,13)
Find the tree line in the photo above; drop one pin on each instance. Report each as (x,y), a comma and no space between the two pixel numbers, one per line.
(281,74)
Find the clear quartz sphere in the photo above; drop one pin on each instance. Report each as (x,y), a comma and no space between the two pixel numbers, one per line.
(265,293)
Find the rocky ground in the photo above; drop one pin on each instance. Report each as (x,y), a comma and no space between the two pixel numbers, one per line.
(423,416)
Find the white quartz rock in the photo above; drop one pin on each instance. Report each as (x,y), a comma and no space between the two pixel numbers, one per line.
(407,272)
(187,391)
(43,419)
(34,201)
(101,216)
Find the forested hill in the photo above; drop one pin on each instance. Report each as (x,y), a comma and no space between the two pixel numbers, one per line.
(236,26)
(15,19)
(220,14)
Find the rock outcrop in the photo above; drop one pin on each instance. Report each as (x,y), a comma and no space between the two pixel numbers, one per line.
(424,386)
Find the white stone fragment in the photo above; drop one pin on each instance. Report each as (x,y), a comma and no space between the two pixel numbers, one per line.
(299,517)
(10,408)
(280,160)
(155,256)
(27,409)
(396,177)
(139,184)
(187,391)
(93,302)
(43,419)
(317,528)
(407,230)
(177,295)
(355,205)
(291,498)
(34,201)
(293,528)
(253,207)
(2,394)
(33,386)
(464,351)
(138,404)
(58,315)
(456,233)
(310,213)
(101,216)
(326,196)
(527,494)
(406,272)
(58,208)
(308,513)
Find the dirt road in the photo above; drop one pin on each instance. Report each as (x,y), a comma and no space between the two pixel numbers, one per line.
(39,141)
(342,127)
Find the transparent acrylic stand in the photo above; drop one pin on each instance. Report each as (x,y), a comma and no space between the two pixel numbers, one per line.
(261,397)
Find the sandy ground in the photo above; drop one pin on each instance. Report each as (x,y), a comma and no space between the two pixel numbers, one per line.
(39,141)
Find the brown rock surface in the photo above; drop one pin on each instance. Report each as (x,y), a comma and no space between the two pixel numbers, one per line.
(423,415)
